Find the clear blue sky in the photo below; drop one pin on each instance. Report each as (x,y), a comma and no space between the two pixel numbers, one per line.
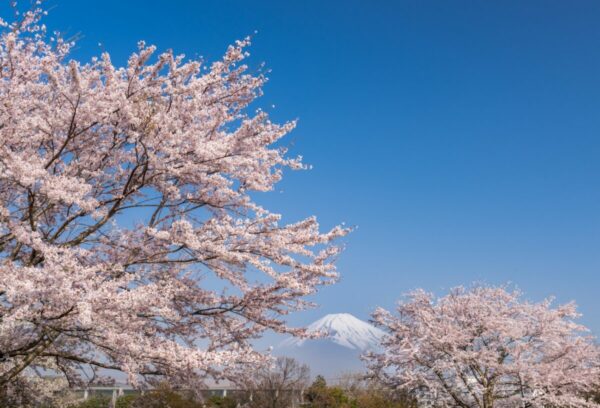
(462,138)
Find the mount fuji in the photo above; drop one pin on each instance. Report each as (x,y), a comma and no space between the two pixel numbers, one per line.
(345,339)
(343,329)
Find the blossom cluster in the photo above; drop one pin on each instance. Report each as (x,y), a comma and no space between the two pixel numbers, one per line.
(486,347)
(129,238)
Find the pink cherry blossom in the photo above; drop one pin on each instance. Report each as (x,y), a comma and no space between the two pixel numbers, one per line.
(485,347)
(129,238)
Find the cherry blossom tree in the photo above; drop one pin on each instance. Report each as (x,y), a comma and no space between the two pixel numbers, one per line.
(129,234)
(485,347)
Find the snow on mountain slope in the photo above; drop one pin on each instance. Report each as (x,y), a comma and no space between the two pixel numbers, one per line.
(344,330)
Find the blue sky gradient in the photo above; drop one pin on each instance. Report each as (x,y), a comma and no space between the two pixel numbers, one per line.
(462,138)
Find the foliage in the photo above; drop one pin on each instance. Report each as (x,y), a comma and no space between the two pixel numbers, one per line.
(95,401)
(164,396)
(362,392)
(87,148)
(375,400)
(221,402)
(365,392)
(486,347)
(319,395)
(161,397)
(126,401)
(378,397)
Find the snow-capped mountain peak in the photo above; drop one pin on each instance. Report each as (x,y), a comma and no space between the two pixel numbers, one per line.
(343,329)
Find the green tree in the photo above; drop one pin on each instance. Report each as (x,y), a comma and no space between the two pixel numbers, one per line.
(165,396)
(221,402)
(95,401)
(371,399)
(126,401)
(319,395)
